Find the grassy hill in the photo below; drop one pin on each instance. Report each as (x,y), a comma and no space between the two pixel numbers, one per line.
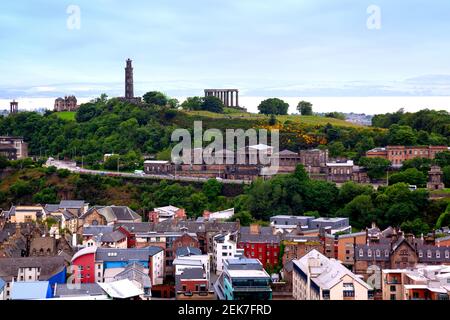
(66,115)
(233,114)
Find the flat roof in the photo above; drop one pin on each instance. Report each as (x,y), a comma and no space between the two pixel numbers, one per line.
(248,274)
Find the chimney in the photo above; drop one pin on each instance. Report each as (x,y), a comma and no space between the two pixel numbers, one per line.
(18,229)
(255,228)
(74,240)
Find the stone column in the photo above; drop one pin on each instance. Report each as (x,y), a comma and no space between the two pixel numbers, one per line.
(237,98)
(226,98)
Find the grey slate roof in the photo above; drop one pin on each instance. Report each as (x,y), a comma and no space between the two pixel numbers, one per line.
(84,289)
(137,227)
(188,251)
(50,266)
(136,254)
(113,236)
(71,204)
(96,230)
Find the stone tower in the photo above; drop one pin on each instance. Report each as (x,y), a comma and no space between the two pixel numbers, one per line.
(129,86)
(435,178)
(14,107)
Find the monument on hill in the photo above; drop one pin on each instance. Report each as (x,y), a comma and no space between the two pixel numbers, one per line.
(129,84)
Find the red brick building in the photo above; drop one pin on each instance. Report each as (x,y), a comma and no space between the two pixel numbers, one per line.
(259,243)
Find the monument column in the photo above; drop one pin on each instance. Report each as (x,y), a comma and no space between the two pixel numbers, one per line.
(237,98)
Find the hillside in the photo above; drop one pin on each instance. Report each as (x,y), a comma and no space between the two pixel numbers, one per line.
(258,118)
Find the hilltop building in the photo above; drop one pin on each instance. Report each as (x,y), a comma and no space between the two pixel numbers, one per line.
(69,103)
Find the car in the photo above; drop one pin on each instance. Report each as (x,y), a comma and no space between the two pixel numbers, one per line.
(413,187)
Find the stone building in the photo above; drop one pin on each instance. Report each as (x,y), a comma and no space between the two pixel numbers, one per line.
(69,103)
(435,179)
(398,154)
(13,148)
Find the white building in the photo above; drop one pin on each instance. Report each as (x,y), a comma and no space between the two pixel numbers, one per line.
(225,247)
(315,277)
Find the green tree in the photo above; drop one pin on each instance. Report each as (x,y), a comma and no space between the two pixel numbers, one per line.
(444,219)
(336,149)
(273,106)
(416,227)
(21,188)
(411,176)
(360,211)
(156,98)
(3,162)
(212,189)
(376,167)
(305,108)
(192,103)
(86,112)
(244,217)
(212,104)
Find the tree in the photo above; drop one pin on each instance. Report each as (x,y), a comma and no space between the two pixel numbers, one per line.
(156,98)
(351,190)
(273,106)
(244,217)
(335,115)
(416,227)
(411,176)
(212,189)
(401,135)
(3,162)
(173,103)
(336,149)
(86,112)
(212,104)
(444,219)
(192,103)
(446,171)
(305,108)
(360,210)
(376,167)
(21,188)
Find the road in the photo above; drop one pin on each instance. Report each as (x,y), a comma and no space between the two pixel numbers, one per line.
(71,166)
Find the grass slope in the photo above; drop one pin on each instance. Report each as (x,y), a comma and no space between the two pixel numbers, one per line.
(239,115)
(66,115)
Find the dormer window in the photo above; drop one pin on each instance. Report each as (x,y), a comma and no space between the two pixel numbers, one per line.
(378,253)
(429,253)
(369,253)
(420,254)
(438,254)
(361,252)
(447,254)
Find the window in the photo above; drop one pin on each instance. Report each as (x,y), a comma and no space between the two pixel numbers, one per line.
(393,297)
(361,252)
(438,254)
(420,254)
(447,254)
(429,253)
(369,253)
(386,253)
(378,253)
(393,289)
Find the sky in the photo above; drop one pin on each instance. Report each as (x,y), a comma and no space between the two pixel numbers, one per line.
(266,48)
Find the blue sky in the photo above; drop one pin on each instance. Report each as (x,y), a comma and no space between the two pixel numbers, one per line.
(263,47)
